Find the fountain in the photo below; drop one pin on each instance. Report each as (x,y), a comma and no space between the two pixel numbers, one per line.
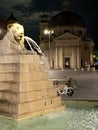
(25,89)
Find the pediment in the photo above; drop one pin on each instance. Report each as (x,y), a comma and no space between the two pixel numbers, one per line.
(67,36)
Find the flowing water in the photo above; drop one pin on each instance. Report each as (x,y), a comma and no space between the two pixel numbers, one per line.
(34,47)
(76,116)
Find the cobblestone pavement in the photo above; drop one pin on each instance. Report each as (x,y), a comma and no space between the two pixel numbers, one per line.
(87,83)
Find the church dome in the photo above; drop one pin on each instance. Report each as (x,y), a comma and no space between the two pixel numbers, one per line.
(67,18)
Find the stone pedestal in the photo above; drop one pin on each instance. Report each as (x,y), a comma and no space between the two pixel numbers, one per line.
(25,89)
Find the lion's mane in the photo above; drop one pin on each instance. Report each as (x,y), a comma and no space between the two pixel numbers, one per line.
(13,41)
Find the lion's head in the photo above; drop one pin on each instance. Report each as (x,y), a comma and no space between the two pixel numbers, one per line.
(16,34)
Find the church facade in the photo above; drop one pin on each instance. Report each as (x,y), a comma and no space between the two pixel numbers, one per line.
(68,46)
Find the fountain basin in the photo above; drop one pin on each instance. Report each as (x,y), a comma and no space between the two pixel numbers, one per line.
(80,115)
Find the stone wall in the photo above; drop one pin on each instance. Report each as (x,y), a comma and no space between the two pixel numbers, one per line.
(25,89)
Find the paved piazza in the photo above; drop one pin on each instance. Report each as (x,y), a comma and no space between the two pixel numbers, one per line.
(87,83)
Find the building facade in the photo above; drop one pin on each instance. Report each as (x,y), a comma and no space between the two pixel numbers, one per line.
(68,46)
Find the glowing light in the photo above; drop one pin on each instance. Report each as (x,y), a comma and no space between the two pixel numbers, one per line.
(46,31)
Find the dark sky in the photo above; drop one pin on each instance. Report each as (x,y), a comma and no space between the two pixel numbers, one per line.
(28,12)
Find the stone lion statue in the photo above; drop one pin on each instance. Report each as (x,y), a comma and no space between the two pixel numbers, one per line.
(15,33)
(13,41)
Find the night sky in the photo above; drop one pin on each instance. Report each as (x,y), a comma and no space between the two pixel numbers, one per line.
(28,13)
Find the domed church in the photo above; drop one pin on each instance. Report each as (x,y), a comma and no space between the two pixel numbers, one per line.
(65,42)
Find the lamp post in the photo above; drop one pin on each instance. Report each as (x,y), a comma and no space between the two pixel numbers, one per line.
(49,32)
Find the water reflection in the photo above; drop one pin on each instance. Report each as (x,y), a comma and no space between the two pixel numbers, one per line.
(74,117)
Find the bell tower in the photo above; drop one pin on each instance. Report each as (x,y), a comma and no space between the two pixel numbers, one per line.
(43,26)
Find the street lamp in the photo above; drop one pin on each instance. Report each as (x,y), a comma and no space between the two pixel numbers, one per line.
(49,32)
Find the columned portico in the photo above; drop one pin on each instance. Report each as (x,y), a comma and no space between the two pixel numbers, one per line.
(66,54)
(60,58)
(78,57)
(56,58)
